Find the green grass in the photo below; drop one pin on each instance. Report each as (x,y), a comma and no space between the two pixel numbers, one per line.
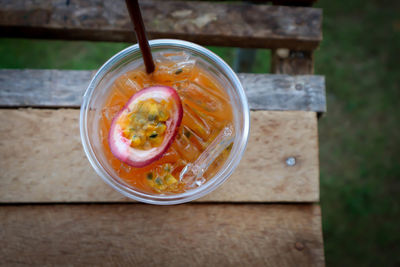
(40,54)
(359,136)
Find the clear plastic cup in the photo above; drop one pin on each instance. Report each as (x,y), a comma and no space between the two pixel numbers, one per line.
(130,58)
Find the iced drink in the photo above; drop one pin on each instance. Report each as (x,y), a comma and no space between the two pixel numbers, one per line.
(207,119)
(170,136)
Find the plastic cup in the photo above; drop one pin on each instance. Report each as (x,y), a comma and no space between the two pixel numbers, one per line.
(128,59)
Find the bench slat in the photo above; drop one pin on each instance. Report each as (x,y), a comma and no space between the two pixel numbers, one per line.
(143,235)
(291,2)
(64,88)
(32,171)
(224,24)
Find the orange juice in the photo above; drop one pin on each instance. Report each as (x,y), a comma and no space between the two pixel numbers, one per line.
(206,112)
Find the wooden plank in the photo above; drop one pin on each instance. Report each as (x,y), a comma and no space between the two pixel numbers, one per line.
(293,2)
(285,61)
(64,88)
(225,24)
(42,160)
(143,235)
(284,92)
(43,88)
(275,2)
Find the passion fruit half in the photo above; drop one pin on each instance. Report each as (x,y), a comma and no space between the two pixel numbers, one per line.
(146,126)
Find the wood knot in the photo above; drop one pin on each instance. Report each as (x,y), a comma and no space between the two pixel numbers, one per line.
(299,246)
(205,19)
(181,13)
(282,52)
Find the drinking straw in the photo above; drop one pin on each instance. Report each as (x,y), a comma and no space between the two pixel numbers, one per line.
(136,17)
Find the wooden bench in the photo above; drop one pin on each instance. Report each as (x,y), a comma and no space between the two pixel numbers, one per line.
(55,210)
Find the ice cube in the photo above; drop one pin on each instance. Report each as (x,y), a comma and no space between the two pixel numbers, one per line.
(178,64)
(195,122)
(185,148)
(194,138)
(210,101)
(125,167)
(133,85)
(180,86)
(180,56)
(192,174)
(110,112)
(200,180)
(126,86)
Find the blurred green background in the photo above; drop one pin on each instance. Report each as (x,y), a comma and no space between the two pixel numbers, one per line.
(359,135)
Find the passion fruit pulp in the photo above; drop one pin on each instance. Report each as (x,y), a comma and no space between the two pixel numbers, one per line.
(146,126)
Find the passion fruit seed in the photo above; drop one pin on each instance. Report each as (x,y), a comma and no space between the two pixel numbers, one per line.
(187,134)
(170,179)
(136,140)
(164,181)
(147,125)
(167,167)
(153,135)
(159,181)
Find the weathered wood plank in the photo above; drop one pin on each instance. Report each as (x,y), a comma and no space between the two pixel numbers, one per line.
(284,92)
(42,160)
(43,88)
(293,2)
(62,88)
(226,24)
(275,2)
(285,61)
(143,235)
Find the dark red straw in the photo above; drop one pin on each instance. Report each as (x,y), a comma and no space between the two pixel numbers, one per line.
(136,17)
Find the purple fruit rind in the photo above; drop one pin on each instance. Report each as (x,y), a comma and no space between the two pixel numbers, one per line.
(120,145)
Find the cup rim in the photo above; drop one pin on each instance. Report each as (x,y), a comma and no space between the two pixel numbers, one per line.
(190,195)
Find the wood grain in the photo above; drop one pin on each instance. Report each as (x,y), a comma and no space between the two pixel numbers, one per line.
(42,160)
(284,92)
(225,24)
(64,88)
(277,2)
(293,2)
(43,88)
(142,235)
